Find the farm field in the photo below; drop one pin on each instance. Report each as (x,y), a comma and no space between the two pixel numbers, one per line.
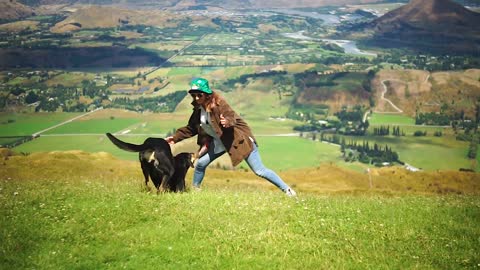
(278,152)
(93,126)
(428,153)
(27,124)
(390,119)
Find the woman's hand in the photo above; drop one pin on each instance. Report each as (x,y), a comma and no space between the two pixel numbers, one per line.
(170,140)
(223,121)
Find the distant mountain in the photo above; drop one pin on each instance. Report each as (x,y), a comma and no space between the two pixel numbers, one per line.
(228,4)
(88,17)
(431,14)
(13,10)
(431,24)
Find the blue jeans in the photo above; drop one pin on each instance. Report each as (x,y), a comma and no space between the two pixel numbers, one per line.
(253,160)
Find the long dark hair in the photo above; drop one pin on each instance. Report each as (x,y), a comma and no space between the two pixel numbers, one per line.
(214,99)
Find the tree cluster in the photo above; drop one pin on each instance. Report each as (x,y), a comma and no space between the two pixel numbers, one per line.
(473,148)
(437,119)
(166,103)
(381,131)
(243,79)
(366,154)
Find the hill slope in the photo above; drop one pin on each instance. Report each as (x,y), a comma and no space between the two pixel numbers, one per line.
(430,24)
(229,4)
(416,90)
(12,10)
(88,17)
(322,179)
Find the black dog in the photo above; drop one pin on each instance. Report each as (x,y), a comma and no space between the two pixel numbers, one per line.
(155,157)
(183,162)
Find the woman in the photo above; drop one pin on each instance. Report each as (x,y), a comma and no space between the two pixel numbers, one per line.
(220,130)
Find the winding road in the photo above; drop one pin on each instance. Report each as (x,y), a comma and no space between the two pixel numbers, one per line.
(388,100)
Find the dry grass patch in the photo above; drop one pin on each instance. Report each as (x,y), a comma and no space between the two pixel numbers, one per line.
(412,89)
(70,79)
(19,26)
(326,178)
(90,17)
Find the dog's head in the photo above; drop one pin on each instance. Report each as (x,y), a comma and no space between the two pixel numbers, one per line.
(184,160)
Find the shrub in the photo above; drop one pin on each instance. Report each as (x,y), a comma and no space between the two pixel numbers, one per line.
(419,133)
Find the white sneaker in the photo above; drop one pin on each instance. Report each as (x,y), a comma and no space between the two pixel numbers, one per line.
(290,192)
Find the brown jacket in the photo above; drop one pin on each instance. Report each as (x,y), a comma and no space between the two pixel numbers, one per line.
(235,137)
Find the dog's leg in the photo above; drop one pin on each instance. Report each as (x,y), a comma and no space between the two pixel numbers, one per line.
(164,184)
(145,171)
(181,183)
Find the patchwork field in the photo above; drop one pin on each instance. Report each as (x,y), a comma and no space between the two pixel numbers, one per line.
(390,119)
(27,124)
(279,152)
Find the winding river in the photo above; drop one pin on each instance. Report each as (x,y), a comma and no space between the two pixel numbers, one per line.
(348,45)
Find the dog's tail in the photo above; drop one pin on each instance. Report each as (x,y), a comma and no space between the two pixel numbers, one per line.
(126,146)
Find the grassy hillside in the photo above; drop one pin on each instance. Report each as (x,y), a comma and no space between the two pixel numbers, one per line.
(80,210)
(91,17)
(412,90)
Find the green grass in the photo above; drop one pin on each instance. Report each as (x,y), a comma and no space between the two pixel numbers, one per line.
(223,39)
(349,81)
(278,153)
(428,153)
(113,224)
(94,126)
(27,124)
(271,126)
(185,71)
(390,119)
(284,153)
(87,143)
(160,127)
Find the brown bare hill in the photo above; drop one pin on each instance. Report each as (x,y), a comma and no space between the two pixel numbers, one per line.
(88,17)
(429,24)
(297,3)
(228,4)
(422,91)
(432,14)
(13,10)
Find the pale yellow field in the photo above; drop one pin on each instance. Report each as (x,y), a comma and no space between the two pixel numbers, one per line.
(18,26)
(323,179)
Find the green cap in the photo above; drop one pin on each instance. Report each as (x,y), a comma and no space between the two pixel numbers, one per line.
(200,85)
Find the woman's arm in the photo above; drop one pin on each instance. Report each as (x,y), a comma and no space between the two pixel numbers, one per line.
(188,131)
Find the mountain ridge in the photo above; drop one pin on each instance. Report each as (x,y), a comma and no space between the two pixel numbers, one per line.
(223,3)
(436,24)
(12,10)
(431,13)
